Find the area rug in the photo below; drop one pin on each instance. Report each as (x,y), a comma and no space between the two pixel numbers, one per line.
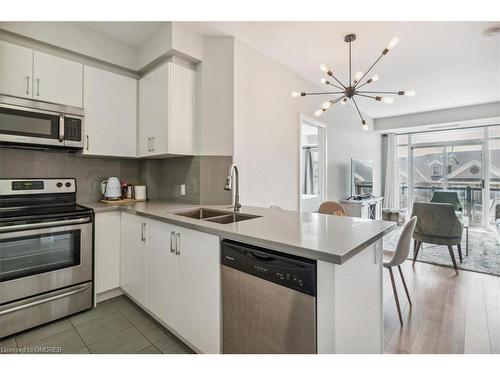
(484,251)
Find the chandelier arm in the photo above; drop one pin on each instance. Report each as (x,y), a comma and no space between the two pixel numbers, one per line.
(323,93)
(335,78)
(366,96)
(359,112)
(380,92)
(338,87)
(370,68)
(364,84)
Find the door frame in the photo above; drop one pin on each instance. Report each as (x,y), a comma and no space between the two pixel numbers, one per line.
(322,143)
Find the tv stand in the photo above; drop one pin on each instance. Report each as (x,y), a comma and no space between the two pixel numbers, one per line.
(366,208)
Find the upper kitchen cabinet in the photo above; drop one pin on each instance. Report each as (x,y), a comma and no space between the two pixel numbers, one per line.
(110,102)
(57,80)
(16,70)
(167,99)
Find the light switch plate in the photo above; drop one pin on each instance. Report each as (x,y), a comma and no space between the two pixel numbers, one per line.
(183,189)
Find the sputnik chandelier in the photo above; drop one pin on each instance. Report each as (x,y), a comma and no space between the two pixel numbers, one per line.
(349,91)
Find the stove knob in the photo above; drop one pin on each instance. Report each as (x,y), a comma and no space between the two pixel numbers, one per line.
(59,184)
(68,184)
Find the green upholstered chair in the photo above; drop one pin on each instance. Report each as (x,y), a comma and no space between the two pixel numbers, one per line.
(450,197)
(437,224)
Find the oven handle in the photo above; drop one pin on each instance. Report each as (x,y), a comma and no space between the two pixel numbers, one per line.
(11,228)
(45,300)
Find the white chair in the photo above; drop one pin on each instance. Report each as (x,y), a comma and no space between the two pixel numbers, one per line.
(398,257)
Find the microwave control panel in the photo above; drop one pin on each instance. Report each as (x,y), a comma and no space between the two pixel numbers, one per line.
(72,129)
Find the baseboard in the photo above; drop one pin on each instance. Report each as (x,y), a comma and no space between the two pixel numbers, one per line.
(109,294)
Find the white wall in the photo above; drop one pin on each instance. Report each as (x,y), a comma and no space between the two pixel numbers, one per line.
(266,133)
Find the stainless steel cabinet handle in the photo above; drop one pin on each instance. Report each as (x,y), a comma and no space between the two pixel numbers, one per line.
(172,242)
(27,84)
(149,144)
(87,142)
(11,228)
(143,232)
(45,300)
(38,87)
(61,127)
(177,243)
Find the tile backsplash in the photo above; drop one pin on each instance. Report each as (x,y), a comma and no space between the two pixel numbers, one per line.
(203,176)
(89,172)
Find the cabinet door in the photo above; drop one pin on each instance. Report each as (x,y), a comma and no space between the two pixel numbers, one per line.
(134,257)
(182,110)
(145,115)
(160,110)
(57,80)
(107,251)
(199,276)
(110,102)
(164,284)
(16,70)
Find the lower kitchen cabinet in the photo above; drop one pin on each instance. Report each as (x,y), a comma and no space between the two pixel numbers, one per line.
(134,257)
(174,273)
(107,251)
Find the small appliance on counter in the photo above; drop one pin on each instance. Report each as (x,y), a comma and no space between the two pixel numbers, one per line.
(111,189)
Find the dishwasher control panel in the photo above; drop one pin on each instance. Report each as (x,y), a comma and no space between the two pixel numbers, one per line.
(283,269)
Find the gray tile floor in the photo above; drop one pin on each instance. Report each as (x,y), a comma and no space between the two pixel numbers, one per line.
(115,326)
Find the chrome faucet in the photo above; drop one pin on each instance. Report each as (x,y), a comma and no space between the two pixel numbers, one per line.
(229,186)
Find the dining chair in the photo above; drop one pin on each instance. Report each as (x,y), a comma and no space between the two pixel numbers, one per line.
(332,208)
(398,258)
(438,225)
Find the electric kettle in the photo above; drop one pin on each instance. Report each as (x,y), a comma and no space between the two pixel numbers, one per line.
(111,189)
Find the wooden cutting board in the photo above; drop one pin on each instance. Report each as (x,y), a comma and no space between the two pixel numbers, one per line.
(121,201)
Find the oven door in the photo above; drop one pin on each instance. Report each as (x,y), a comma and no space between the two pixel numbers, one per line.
(31,126)
(40,257)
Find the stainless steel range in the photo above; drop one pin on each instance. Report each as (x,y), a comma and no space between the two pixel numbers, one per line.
(46,252)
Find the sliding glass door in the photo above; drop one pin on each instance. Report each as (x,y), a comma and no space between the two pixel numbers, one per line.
(453,166)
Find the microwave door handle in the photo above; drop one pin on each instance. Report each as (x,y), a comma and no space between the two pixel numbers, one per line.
(61,127)
(10,228)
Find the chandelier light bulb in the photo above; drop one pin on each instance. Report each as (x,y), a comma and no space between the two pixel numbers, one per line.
(324,80)
(365,125)
(410,93)
(375,78)
(358,75)
(295,94)
(343,101)
(392,43)
(387,100)
(318,113)
(326,105)
(324,68)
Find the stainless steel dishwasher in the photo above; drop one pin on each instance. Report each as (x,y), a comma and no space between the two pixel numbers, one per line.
(268,301)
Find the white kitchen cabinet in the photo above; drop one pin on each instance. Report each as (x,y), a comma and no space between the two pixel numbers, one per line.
(134,257)
(16,70)
(167,97)
(110,102)
(107,251)
(199,276)
(57,80)
(164,293)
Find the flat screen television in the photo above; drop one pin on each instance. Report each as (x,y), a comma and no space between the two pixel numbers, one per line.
(361,178)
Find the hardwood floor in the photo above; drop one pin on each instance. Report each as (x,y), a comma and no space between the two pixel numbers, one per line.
(450,314)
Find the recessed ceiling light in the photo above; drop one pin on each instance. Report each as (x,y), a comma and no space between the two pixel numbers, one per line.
(493,31)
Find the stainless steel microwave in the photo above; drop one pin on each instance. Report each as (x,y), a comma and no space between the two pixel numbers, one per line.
(32,123)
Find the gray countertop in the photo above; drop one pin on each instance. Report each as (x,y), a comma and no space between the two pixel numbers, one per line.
(329,238)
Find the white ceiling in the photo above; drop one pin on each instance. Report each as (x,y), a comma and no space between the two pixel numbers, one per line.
(133,33)
(449,64)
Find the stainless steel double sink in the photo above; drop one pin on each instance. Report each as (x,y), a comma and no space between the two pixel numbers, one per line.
(216,216)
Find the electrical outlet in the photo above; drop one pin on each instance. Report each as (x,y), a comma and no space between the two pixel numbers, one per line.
(183,189)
